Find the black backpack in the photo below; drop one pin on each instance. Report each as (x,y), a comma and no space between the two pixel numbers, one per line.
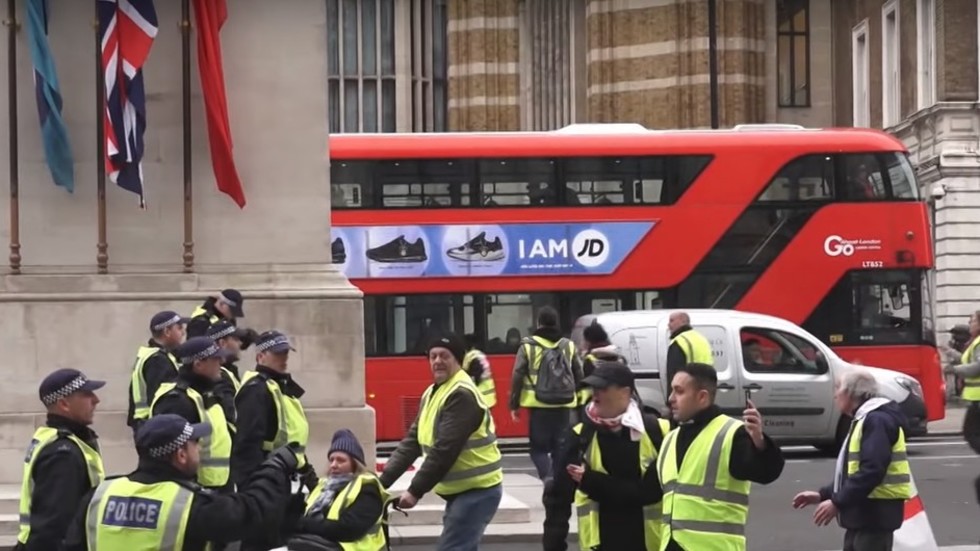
(556,383)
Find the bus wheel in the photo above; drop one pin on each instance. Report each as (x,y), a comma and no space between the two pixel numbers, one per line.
(833,448)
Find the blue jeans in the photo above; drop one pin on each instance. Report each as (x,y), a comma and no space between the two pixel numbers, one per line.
(466,517)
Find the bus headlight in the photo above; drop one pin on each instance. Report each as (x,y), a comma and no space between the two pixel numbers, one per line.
(910,385)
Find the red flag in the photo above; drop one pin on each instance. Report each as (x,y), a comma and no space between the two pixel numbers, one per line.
(211,16)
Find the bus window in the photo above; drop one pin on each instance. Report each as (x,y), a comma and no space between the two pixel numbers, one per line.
(602,180)
(713,290)
(350,185)
(512,317)
(901,176)
(396,325)
(863,178)
(422,184)
(809,178)
(518,182)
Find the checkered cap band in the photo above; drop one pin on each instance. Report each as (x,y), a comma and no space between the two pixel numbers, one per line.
(224,332)
(74,386)
(168,449)
(277,341)
(165,324)
(208,352)
(228,301)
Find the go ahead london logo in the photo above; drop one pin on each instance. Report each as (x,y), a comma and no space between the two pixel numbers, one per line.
(835,245)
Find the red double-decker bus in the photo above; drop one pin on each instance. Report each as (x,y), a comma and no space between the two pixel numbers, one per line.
(474,232)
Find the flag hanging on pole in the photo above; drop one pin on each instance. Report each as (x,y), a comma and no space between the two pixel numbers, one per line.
(127,29)
(211,16)
(54,132)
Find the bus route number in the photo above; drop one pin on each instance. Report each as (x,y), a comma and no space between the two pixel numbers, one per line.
(872,264)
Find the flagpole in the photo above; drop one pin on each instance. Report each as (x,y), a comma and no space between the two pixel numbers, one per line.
(102,257)
(12,27)
(185,24)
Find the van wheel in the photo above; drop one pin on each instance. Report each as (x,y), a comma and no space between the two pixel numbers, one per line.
(833,448)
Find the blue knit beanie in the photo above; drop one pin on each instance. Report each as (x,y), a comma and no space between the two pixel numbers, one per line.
(345,441)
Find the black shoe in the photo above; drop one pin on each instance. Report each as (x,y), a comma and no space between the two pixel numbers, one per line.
(338,253)
(399,250)
(478,249)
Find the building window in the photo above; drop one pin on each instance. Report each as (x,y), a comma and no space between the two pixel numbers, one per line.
(430,85)
(891,102)
(861,75)
(925,18)
(793,52)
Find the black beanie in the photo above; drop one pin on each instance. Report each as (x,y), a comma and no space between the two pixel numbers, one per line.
(450,342)
(345,441)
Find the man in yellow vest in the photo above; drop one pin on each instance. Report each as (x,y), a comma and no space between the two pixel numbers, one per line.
(192,397)
(969,369)
(228,338)
(476,364)
(62,462)
(160,506)
(687,345)
(226,305)
(455,433)
(155,364)
(606,469)
(872,479)
(705,504)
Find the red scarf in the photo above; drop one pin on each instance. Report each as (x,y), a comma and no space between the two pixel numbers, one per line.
(593,416)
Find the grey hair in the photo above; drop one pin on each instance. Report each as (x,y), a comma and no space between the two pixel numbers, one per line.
(859,384)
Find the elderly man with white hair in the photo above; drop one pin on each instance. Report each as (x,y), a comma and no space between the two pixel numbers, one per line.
(872,479)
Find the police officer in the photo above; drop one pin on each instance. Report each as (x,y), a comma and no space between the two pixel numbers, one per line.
(476,364)
(159,506)
(155,364)
(686,344)
(226,305)
(229,338)
(706,506)
(455,433)
(62,463)
(192,397)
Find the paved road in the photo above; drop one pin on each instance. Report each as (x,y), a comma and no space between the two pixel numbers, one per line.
(944,469)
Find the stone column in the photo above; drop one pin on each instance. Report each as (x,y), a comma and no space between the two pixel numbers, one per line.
(276,250)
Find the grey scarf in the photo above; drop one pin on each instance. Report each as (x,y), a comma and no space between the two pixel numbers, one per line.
(330,490)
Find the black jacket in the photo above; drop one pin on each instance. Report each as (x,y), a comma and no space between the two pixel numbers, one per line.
(225,389)
(257,421)
(157,369)
(199,325)
(675,355)
(746,461)
(222,518)
(354,523)
(60,483)
(621,494)
(856,511)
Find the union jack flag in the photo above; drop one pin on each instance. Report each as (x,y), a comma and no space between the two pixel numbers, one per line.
(127,29)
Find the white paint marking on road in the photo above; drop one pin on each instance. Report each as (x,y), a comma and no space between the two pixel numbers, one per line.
(913,458)
(933,444)
(957,548)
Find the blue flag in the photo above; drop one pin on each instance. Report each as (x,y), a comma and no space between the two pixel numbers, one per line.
(54,133)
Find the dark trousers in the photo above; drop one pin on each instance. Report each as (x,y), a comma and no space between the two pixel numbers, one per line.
(546,427)
(867,540)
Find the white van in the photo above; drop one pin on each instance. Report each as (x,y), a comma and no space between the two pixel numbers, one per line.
(791,374)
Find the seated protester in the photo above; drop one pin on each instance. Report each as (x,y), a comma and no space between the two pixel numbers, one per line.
(345,509)
(607,468)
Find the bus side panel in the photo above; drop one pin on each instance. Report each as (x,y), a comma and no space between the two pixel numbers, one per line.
(920,362)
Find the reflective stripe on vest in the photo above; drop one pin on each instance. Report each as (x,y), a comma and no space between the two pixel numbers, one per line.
(589,535)
(215,469)
(44,436)
(233,378)
(292,425)
(704,507)
(200,311)
(696,348)
(478,465)
(137,385)
(534,355)
(128,515)
(897,483)
(486,386)
(971,385)
(374,539)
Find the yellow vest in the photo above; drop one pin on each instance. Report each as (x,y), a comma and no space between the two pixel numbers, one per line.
(42,437)
(138,517)
(971,385)
(137,385)
(704,507)
(897,483)
(696,348)
(478,465)
(233,378)
(585,393)
(589,535)
(291,419)
(215,469)
(534,356)
(200,311)
(374,540)
(487,388)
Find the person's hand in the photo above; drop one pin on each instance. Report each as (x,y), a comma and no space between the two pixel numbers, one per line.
(753,425)
(407,501)
(284,458)
(825,513)
(803,499)
(308,477)
(515,415)
(576,472)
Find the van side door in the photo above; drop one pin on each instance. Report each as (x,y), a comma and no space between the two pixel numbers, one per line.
(729,397)
(639,346)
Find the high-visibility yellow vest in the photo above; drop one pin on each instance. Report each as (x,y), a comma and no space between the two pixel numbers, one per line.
(137,385)
(585,393)
(233,378)
(215,469)
(292,425)
(486,386)
(478,465)
(201,311)
(897,483)
(128,515)
(971,385)
(696,348)
(704,507)
(534,355)
(374,540)
(589,536)
(44,436)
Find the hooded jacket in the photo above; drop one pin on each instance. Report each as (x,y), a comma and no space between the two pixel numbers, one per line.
(522,365)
